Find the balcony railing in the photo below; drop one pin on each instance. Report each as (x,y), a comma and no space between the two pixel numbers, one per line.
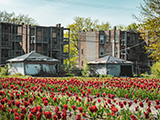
(17,38)
(6,44)
(56,47)
(63,55)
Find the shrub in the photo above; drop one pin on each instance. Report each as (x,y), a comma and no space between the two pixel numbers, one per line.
(155,69)
(4,71)
(87,71)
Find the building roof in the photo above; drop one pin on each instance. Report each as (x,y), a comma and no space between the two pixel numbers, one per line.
(33,56)
(110,60)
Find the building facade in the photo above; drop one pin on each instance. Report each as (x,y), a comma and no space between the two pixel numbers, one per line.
(10,41)
(16,40)
(127,45)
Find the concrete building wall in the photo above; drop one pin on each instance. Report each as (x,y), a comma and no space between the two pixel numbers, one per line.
(91,46)
(100,69)
(82,49)
(113,70)
(16,68)
(33,69)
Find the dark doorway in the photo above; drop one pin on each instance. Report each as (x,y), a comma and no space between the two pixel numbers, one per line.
(126,71)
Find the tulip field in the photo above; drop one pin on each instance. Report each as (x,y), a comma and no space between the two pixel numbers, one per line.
(79,98)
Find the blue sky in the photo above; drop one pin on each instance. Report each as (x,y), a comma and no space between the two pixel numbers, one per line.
(51,12)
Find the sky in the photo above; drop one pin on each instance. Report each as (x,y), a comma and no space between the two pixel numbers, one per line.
(51,12)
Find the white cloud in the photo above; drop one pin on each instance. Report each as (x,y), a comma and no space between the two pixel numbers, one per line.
(5,2)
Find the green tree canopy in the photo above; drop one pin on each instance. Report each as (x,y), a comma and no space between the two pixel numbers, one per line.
(16,19)
(133,26)
(150,18)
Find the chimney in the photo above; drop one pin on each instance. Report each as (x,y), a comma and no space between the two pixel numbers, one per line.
(58,25)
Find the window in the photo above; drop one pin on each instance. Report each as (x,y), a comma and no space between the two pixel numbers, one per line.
(101,39)
(107,51)
(82,51)
(82,63)
(107,39)
(116,38)
(116,52)
(101,51)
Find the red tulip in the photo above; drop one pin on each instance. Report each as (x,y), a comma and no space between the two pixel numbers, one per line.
(45,102)
(64,115)
(146,115)
(54,117)
(149,110)
(34,110)
(74,107)
(18,104)
(126,96)
(48,115)
(133,117)
(80,109)
(99,100)
(30,116)
(141,104)
(78,117)
(65,107)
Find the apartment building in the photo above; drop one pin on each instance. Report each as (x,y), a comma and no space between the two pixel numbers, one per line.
(19,39)
(10,41)
(127,45)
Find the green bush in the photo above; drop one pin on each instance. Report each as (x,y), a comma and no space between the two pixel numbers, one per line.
(17,74)
(86,71)
(70,74)
(155,69)
(4,71)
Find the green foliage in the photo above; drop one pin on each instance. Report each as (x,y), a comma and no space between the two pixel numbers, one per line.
(155,69)
(133,26)
(4,71)
(16,19)
(145,75)
(17,74)
(150,19)
(86,71)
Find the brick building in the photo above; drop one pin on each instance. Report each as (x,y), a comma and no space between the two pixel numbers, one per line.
(16,40)
(127,45)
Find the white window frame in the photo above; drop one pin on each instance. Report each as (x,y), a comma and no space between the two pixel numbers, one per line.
(101,38)
(107,39)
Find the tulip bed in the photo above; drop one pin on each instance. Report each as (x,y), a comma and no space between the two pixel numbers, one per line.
(79,98)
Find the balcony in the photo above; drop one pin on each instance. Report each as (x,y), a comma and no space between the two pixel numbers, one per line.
(3,60)
(17,38)
(6,44)
(15,53)
(56,47)
(63,55)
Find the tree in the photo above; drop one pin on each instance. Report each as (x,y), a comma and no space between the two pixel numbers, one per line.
(19,19)
(133,26)
(85,24)
(120,27)
(150,18)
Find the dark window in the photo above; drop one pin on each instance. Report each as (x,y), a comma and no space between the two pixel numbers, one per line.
(82,63)
(82,51)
